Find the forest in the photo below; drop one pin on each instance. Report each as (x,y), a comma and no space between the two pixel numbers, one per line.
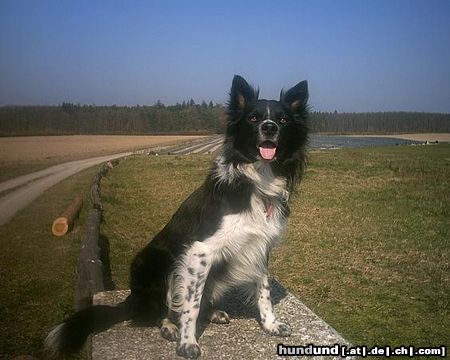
(192,118)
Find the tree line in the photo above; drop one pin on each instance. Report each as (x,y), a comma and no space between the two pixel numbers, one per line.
(191,118)
(380,122)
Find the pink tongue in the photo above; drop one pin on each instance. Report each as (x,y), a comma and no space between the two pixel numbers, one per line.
(267,153)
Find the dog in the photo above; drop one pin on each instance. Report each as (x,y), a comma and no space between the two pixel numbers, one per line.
(222,234)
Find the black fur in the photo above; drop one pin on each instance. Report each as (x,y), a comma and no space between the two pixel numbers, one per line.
(202,213)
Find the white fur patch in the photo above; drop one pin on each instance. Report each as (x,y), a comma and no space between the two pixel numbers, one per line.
(53,340)
(266,182)
(259,172)
(176,289)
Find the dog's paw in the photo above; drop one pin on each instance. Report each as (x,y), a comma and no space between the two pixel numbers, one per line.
(278,328)
(220,317)
(188,350)
(170,332)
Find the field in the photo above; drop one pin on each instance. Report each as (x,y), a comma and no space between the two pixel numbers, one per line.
(367,247)
(23,154)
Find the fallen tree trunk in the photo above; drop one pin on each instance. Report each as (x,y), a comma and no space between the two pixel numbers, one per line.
(65,221)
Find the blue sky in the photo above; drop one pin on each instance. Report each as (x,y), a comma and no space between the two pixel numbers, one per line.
(362,55)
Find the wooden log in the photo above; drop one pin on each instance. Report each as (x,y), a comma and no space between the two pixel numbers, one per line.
(64,222)
(90,266)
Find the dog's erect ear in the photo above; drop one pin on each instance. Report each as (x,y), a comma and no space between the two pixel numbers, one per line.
(296,97)
(241,94)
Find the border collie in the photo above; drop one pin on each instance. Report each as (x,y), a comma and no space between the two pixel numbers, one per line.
(221,236)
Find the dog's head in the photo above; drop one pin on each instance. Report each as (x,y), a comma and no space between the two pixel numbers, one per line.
(266,130)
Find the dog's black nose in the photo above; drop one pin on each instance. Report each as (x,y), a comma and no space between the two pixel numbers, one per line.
(269,128)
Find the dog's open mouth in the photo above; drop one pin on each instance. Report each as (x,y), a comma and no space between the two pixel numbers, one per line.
(267,150)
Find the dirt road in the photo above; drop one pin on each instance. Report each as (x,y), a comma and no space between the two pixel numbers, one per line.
(32,185)
(24,189)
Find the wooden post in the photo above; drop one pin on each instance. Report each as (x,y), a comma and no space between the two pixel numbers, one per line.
(64,222)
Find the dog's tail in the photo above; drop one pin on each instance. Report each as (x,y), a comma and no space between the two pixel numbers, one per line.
(69,337)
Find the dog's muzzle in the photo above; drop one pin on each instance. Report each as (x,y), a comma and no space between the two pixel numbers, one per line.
(269,128)
(268,136)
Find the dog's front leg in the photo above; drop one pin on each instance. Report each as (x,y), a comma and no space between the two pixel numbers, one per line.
(268,320)
(197,262)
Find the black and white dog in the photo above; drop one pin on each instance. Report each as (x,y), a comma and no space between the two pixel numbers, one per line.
(221,236)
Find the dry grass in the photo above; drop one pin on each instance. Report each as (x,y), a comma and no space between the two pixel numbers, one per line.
(367,247)
(155,187)
(368,243)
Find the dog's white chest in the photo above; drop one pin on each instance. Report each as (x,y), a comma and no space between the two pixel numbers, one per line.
(244,239)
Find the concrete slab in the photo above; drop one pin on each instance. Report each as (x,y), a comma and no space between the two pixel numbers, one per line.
(243,338)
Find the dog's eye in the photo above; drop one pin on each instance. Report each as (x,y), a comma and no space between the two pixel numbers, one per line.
(253,118)
(283,120)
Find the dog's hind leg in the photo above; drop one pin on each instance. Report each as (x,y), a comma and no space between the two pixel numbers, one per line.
(219,317)
(197,263)
(169,330)
(268,320)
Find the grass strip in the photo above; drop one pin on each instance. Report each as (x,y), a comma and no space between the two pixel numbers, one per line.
(38,270)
